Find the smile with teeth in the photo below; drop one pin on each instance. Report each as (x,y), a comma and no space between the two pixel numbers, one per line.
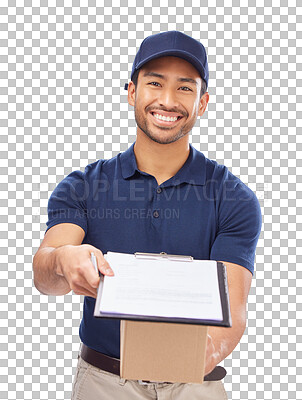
(163,118)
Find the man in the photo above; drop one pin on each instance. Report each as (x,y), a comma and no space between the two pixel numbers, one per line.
(159,195)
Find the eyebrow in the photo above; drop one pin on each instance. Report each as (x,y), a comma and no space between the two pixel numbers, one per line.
(156,75)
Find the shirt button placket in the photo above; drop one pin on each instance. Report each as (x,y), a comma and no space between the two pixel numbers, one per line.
(156,212)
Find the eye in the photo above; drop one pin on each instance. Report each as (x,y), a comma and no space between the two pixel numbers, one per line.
(151,83)
(185,87)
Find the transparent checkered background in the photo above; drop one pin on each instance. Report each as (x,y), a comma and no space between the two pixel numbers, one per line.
(63,68)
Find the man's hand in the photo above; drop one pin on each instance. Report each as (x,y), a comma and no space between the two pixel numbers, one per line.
(211,356)
(75,265)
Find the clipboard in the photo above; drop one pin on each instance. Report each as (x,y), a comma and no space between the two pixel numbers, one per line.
(223,291)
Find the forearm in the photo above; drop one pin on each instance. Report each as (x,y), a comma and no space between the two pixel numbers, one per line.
(46,279)
(224,341)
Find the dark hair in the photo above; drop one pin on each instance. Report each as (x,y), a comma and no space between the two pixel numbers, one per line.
(203,83)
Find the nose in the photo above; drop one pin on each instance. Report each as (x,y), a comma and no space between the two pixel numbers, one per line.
(167,98)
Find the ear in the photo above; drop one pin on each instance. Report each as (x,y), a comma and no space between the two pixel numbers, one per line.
(131,93)
(203,103)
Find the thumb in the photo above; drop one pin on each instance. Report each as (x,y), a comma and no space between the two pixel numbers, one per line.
(103,265)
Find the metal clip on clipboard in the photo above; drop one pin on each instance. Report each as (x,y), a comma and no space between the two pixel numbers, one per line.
(163,255)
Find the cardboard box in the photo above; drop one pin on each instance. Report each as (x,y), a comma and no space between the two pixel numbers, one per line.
(163,352)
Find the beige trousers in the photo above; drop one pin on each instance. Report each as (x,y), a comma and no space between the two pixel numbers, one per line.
(91,383)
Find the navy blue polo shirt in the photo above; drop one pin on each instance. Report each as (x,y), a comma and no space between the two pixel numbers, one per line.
(203,211)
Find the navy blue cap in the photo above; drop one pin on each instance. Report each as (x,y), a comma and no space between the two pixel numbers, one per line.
(172,43)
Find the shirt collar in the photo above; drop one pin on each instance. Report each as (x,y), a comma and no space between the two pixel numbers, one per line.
(193,170)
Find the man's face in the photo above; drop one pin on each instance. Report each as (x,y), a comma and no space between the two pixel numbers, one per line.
(167,99)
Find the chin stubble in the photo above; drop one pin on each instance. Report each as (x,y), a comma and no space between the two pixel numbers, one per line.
(148,132)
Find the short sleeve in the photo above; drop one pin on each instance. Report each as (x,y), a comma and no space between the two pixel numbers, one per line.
(239,224)
(67,202)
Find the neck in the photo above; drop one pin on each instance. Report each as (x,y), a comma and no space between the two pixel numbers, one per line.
(160,160)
